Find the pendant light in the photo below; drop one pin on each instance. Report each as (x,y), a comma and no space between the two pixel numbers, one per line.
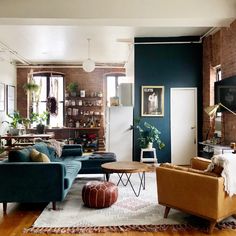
(88,65)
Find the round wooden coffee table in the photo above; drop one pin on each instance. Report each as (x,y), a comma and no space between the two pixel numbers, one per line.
(127,168)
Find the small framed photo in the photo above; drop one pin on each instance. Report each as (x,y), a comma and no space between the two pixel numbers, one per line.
(10,99)
(152,103)
(2,97)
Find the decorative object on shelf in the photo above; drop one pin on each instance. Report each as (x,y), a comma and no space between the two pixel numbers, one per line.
(211,111)
(148,134)
(152,103)
(88,65)
(82,93)
(72,88)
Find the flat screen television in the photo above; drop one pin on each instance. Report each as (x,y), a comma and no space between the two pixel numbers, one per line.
(225,93)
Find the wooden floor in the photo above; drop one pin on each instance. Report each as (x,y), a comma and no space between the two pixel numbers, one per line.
(22,216)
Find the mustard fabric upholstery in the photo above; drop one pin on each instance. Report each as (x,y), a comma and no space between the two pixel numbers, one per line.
(36,156)
(194,192)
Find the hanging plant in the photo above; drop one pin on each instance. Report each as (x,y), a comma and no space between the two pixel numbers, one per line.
(31,86)
(52,106)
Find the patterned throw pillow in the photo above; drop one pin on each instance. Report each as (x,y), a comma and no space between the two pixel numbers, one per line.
(36,156)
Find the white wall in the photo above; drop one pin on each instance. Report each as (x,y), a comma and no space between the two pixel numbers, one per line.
(8,77)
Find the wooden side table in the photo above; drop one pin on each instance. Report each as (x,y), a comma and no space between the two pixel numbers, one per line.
(148,155)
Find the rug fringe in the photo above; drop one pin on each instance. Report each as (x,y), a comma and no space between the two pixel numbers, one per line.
(124,228)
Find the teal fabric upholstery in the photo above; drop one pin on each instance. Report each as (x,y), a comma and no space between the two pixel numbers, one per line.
(20,155)
(24,181)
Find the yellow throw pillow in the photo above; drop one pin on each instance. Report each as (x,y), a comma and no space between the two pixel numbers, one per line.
(36,156)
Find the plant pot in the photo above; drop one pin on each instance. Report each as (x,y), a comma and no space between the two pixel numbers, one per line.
(150,145)
(40,128)
(73,94)
(14,131)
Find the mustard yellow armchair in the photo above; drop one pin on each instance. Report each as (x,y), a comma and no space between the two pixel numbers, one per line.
(194,191)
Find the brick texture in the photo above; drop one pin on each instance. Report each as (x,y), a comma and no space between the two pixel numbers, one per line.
(219,49)
(94,81)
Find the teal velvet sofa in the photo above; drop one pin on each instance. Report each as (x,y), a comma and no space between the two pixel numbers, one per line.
(24,181)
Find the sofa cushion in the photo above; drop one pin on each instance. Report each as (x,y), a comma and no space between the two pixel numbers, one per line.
(71,152)
(72,169)
(42,147)
(20,155)
(36,156)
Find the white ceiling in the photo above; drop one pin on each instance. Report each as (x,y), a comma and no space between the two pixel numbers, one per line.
(44,34)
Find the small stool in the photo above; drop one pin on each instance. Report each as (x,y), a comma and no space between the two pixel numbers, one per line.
(148,155)
(99,194)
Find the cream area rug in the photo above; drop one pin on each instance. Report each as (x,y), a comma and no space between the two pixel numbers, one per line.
(129,213)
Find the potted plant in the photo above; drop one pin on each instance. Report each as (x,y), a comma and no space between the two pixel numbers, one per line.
(148,134)
(72,88)
(16,119)
(39,119)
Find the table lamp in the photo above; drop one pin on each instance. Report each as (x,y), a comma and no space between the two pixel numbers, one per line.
(211,111)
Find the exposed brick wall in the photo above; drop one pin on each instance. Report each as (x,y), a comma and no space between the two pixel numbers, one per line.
(93,81)
(219,49)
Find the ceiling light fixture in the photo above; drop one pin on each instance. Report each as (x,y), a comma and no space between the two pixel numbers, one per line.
(88,65)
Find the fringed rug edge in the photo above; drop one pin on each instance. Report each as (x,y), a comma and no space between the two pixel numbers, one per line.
(124,228)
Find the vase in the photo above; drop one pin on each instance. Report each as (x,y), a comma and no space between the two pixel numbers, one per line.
(40,129)
(149,146)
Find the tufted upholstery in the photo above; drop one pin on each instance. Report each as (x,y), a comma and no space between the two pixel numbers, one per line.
(99,194)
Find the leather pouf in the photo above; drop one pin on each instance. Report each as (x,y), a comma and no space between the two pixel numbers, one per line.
(99,194)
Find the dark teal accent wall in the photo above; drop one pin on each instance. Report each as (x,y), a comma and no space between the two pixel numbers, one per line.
(168,65)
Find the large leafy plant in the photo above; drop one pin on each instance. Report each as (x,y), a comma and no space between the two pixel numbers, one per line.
(148,134)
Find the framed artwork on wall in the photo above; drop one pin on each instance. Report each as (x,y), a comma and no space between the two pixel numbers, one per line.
(2,97)
(152,101)
(10,99)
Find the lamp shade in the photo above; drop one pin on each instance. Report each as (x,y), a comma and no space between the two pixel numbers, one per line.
(211,110)
(88,65)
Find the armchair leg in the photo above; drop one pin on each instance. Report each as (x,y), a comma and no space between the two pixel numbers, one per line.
(167,210)
(211,226)
(107,176)
(4,208)
(54,206)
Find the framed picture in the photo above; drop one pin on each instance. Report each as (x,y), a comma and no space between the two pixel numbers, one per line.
(2,97)
(152,103)
(10,99)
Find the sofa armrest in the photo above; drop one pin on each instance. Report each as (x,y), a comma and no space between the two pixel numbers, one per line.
(31,182)
(191,192)
(200,163)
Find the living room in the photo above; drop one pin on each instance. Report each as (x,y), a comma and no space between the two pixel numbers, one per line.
(171,47)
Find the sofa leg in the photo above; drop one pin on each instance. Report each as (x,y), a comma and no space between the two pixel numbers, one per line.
(211,226)
(167,210)
(54,206)
(4,208)
(107,176)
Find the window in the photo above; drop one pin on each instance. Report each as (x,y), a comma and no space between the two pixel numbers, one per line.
(218,74)
(218,118)
(113,82)
(52,85)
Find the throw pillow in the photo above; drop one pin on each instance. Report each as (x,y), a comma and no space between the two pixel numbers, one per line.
(36,156)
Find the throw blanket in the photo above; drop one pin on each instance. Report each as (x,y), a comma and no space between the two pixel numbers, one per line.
(56,145)
(228,162)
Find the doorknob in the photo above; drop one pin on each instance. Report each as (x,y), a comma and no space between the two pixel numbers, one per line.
(193,127)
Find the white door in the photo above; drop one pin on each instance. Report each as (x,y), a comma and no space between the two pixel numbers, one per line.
(119,137)
(183,125)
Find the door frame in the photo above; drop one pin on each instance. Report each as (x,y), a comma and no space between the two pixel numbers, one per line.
(196,115)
